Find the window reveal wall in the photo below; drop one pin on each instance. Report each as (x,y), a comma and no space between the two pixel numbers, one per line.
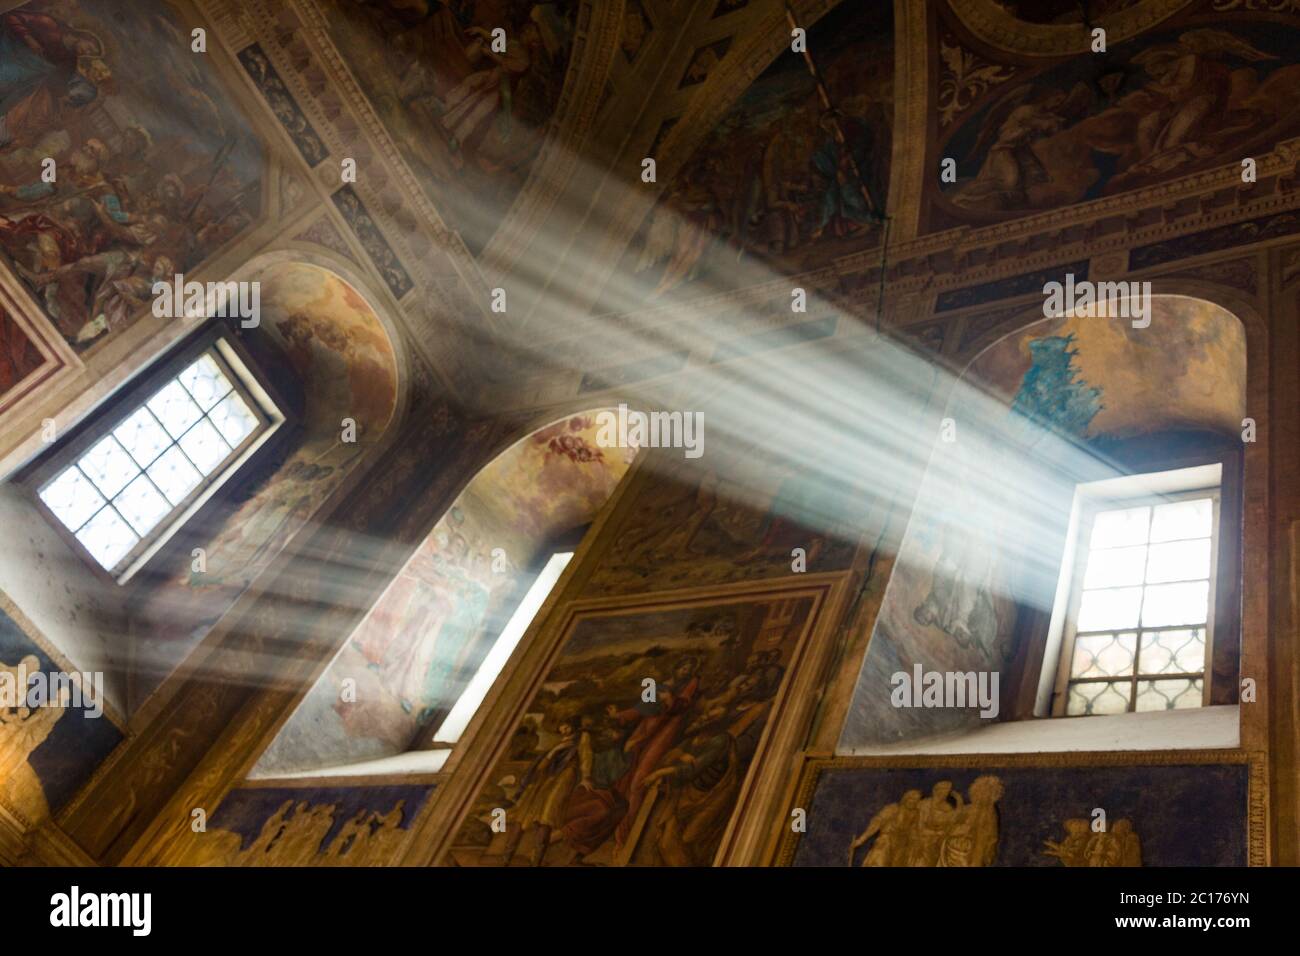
(1096,380)
(320,342)
(418,647)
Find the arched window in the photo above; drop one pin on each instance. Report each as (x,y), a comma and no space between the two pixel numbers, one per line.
(1074,547)
(182,487)
(408,681)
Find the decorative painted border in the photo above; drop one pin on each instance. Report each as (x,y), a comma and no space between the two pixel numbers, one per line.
(1277,225)
(992,24)
(267,80)
(1011,287)
(377,248)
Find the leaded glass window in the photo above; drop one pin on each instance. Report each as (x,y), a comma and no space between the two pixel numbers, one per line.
(1143,608)
(127,485)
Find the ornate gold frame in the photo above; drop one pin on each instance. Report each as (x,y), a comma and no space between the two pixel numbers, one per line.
(746,834)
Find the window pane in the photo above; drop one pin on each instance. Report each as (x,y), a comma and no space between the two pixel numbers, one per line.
(72,498)
(1098,698)
(143,437)
(233,419)
(174,475)
(205,446)
(1179,561)
(1179,652)
(1103,655)
(109,466)
(1166,604)
(1115,567)
(107,537)
(1109,610)
(1182,519)
(1116,529)
(205,382)
(142,505)
(175,409)
(1168,694)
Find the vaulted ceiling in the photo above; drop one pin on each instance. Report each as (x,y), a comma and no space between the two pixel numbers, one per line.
(480,168)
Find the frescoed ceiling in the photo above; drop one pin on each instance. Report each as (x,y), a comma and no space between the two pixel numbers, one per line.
(154,169)
(469,108)
(1174,91)
(768,183)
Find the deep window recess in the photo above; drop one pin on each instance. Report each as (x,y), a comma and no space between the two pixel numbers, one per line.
(125,485)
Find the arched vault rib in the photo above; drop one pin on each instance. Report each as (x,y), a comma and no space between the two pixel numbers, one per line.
(992,23)
(670,124)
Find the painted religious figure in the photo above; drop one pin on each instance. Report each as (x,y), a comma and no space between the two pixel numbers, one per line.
(1116,845)
(110,179)
(1162,106)
(602,773)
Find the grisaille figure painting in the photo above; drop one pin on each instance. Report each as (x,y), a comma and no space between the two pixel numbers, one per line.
(695,435)
(941,829)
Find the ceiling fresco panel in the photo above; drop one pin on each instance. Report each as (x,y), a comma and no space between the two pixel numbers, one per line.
(154,169)
(1034,135)
(782,179)
(470,118)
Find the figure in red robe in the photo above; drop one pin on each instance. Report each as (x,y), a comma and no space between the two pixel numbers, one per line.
(657,732)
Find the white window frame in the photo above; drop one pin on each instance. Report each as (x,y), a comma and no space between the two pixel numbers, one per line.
(237,367)
(437,744)
(1077,569)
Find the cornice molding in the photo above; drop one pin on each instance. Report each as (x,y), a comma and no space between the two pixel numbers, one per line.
(988,21)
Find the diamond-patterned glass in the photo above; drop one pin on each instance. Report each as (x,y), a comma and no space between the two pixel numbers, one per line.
(142,505)
(142,436)
(1143,609)
(233,419)
(174,475)
(175,409)
(1098,697)
(1177,694)
(204,446)
(1103,655)
(1173,652)
(205,381)
(109,466)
